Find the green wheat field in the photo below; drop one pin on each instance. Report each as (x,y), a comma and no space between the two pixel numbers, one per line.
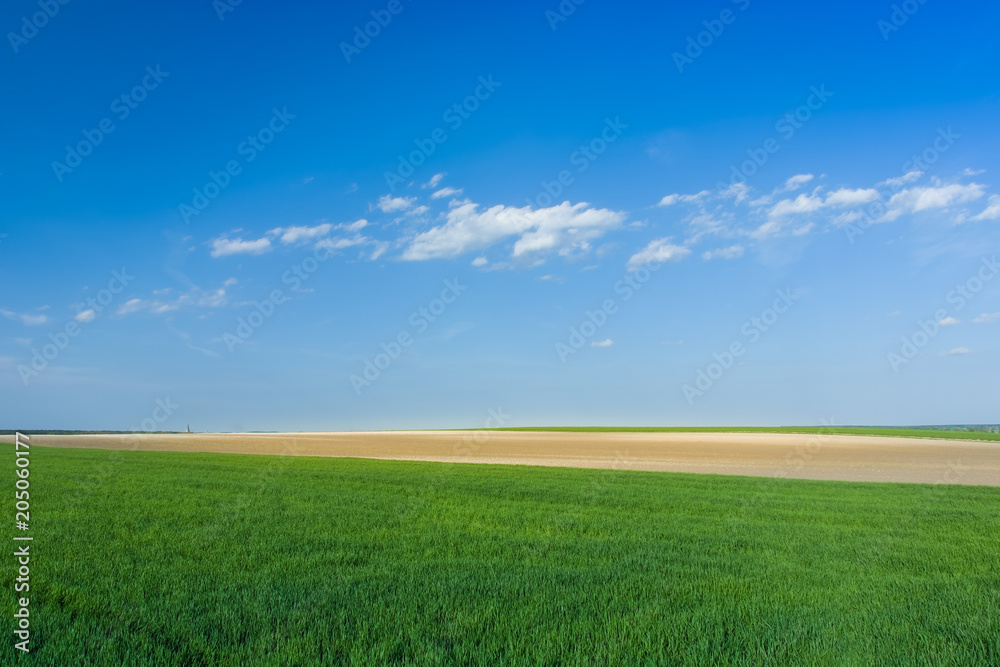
(153,558)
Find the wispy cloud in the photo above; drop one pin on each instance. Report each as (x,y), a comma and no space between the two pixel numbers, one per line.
(658,250)
(24,318)
(917,199)
(797,181)
(193,298)
(446,192)
(992,212)
(732,252)
(225,247)
(564,229)
(300,234)
(737,211)
(435,179)
(390,204)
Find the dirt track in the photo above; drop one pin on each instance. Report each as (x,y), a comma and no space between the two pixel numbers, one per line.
(841,457)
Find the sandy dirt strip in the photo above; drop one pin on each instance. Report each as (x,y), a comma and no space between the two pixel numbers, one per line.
(839,457)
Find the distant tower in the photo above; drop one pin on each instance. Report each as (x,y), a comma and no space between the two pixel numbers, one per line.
(189,428)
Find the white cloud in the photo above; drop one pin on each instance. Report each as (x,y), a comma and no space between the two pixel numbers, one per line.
(669,200)
(769,228)
(435,179)
(658,250)
(446,192)
(986,318)
(299,234)
(908,177)
(390,204)
(957,350)
(564,228)
(948,322)
(194,297)
(847,218)
(810,203)
(480,261)
(223,247)
(797,181)
(992,211)
(341,242)
(355,226)
(732,252)
(607,342)
(737,212)
(379,250)
(85,315)
(802,204)
(849,197)
(26,320)
(130,306)
(914,200)
(736,191)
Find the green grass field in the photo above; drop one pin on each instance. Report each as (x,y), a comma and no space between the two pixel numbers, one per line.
(825,430)
(155,558)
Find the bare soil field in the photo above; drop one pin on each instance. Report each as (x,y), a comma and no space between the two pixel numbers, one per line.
(830,457)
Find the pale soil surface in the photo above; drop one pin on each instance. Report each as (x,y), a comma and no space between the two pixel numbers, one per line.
(837,457)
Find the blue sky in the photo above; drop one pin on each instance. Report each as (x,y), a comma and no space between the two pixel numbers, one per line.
(777,214)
